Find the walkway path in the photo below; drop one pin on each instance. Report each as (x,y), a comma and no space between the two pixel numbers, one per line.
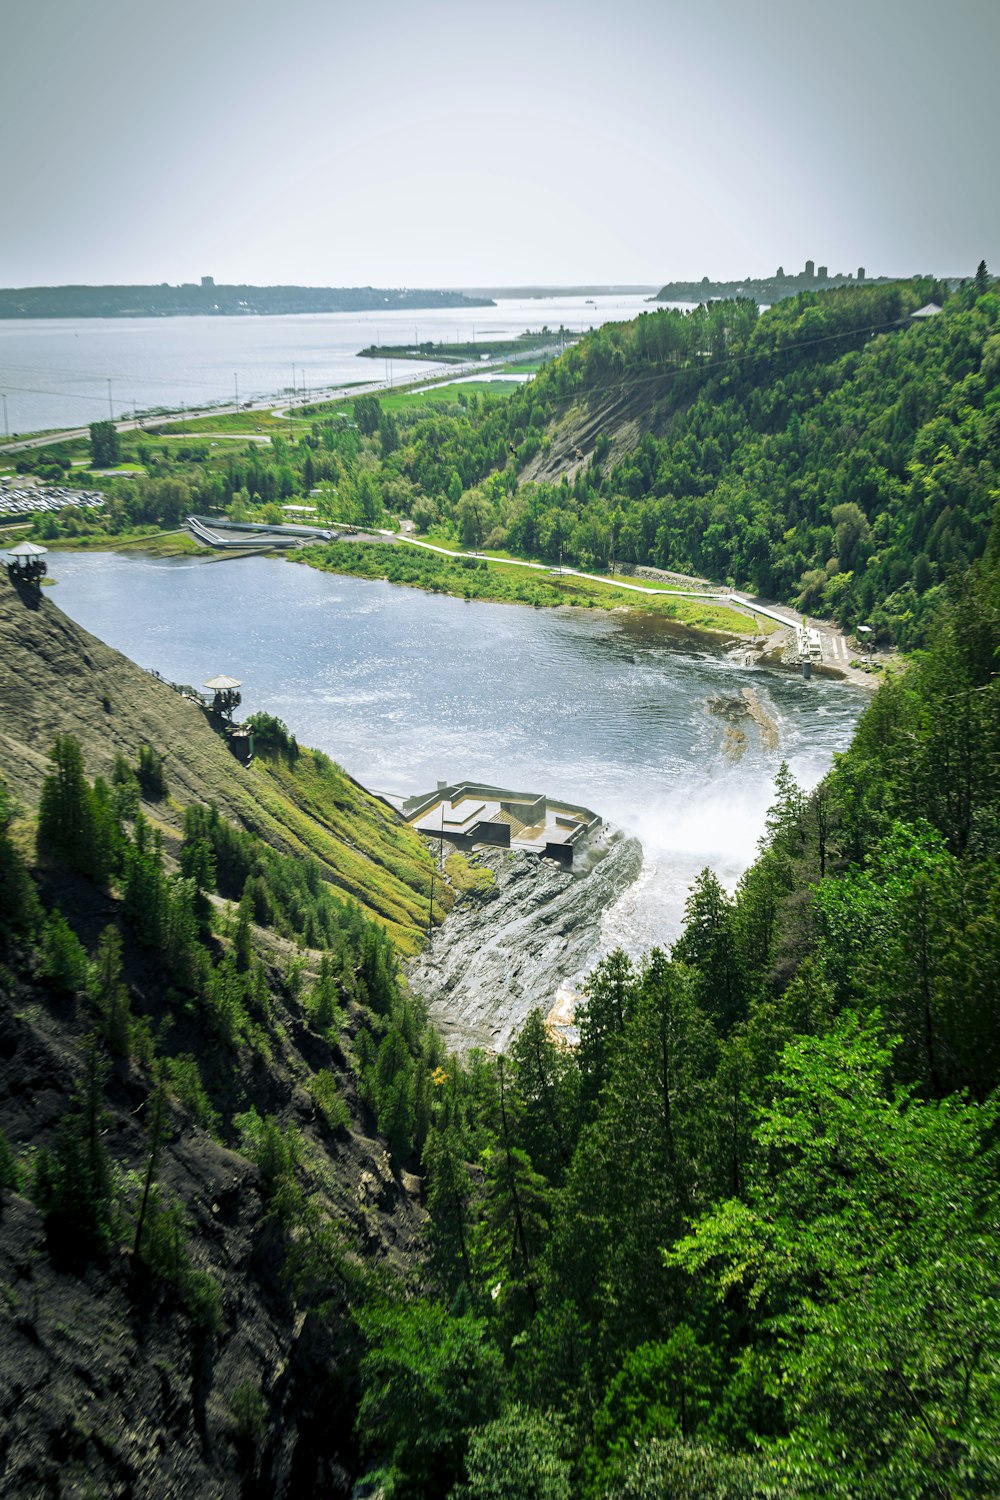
(833,644)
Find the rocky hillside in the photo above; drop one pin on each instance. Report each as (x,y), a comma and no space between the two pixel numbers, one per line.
(210,1113)
(510,944)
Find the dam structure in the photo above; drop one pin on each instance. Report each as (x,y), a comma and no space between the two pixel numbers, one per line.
(469,814)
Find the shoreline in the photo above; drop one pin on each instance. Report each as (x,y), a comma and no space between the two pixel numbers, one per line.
(742,610)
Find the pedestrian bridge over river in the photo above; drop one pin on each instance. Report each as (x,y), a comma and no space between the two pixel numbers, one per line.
(224,534)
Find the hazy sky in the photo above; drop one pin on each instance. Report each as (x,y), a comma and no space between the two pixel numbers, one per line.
(447,144)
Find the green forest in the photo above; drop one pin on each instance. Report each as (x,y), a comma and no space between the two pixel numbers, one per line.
(742,1239)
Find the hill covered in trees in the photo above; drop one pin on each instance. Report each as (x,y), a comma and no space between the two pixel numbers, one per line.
(207,299)
(260,1232)
(833,451)
(742,1240)
(206,1059)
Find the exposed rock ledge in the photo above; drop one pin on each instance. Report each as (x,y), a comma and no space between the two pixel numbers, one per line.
(507,949)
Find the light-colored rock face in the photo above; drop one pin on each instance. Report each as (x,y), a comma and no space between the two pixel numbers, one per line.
(505,951)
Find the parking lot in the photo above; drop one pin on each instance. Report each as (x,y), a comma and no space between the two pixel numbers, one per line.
(18,498)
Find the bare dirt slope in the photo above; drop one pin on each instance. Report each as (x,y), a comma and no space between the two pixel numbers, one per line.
(623,413)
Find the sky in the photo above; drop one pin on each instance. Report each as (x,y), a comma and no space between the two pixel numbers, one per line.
(456,145)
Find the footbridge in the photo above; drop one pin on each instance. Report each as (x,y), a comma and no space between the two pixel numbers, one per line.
(223,533)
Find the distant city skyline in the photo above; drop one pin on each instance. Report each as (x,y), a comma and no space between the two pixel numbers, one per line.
(438,146)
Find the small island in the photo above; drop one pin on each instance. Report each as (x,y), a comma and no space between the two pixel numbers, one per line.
(546,339)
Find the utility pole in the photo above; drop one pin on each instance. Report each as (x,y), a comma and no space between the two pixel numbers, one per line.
(6,426)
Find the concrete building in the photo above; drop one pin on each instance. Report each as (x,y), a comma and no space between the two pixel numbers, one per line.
(470,813)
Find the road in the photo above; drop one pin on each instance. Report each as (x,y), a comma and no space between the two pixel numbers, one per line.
(282,408)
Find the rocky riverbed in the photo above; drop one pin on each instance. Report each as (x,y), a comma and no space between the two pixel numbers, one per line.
(508,948)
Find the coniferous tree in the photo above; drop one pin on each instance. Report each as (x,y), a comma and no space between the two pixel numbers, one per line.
(74,1181)
(546,1077)
(67,819)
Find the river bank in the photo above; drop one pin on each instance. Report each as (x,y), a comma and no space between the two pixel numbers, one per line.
(729,623)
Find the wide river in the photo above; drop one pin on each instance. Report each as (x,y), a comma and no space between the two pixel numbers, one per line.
(405,688)
(66,372)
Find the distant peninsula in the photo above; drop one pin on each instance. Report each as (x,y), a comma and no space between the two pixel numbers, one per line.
(768,289)
(208,300)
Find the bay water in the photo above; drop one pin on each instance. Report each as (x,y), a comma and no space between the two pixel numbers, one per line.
(67,372)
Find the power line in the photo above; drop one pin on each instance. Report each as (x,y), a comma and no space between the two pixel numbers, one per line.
(96,375)
(730,359)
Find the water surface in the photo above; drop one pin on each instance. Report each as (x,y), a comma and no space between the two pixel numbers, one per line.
(55,372)
(405,688)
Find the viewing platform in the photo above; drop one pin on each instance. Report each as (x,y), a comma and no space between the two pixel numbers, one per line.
(468,814)
(26,565)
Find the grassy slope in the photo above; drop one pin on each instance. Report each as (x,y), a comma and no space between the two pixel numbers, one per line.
(57,678)
(509,584)
(365,849)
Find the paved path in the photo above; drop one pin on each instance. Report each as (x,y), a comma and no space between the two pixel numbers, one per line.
(739,601)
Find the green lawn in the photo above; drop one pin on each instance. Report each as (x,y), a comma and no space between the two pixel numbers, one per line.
(504,583)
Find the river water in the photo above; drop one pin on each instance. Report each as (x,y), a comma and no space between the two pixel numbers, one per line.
(55,372)
(404,688)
